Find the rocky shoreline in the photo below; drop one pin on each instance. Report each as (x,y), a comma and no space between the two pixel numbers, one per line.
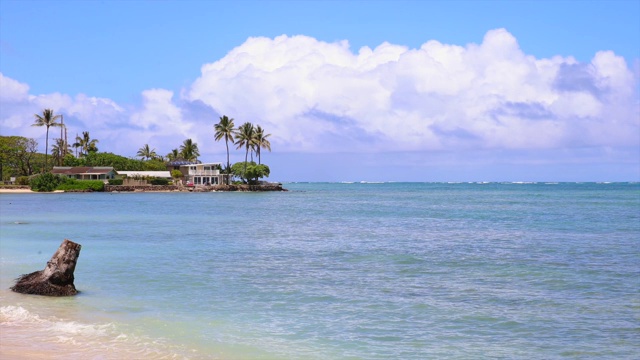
(159,188)
(175,188)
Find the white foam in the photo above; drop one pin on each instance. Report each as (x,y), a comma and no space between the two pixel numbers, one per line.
(24,329)
(16,315)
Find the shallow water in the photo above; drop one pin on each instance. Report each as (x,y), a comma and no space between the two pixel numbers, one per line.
(332,271)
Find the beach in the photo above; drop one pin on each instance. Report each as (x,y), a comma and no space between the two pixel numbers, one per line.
(4,190)
(330,271)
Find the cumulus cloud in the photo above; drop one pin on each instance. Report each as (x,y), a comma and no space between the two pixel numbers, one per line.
(321,97)
(12,90)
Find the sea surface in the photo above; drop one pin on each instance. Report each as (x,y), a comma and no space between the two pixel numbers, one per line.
(330,271)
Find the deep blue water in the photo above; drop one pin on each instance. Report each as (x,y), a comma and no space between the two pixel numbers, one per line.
(334,271)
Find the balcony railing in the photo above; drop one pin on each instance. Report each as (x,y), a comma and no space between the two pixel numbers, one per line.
(204,172)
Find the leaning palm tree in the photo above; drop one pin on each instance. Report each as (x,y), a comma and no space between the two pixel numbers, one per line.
(47,119)
(189,150)
(224,129)
(260,141)
(244,138)
(146,152)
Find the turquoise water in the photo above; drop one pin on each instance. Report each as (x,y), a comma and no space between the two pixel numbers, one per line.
(332,271)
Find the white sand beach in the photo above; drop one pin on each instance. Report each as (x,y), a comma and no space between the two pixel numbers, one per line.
(21,191)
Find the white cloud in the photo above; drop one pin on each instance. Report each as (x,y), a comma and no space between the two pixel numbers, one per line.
(158,112)
(12,90)
(319,96)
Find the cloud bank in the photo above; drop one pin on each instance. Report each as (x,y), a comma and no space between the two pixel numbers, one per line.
(319,97)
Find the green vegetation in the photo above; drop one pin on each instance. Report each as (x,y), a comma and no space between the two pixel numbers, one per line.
(173,155)
(22,180)
(85,144)
(59,150)
(81,185)
(159,181)
(260,141)
(189,150)
(46,182)
(116,161)
(244,137)
(250,172)
(176,174)
(47,119)
(224,129)
(49,182)
(146,152)
(19,157)
(116,181)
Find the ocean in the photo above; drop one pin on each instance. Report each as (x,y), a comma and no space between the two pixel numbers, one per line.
(330,271)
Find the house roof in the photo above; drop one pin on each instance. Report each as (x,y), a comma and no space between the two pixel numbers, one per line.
(181,162)
(203,164)
(67,170)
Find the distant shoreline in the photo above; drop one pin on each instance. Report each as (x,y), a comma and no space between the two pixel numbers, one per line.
(157,189)
(22,191)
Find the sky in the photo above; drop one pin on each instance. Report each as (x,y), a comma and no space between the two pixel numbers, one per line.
(348,90)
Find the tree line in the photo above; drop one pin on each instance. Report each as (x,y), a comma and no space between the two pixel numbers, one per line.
(19,156)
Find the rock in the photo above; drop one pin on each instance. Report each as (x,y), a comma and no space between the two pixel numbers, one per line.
(57,277)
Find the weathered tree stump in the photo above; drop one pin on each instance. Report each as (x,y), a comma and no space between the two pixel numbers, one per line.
(57,278)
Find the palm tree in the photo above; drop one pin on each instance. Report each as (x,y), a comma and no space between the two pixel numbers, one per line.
(224,129)
(47,119)
(147,153)
(260,141)
(77,144)
(189,150)
(244,138)
(59,149)
(86,144)
(173,155)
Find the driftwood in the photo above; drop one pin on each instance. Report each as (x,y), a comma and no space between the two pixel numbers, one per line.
(57,278)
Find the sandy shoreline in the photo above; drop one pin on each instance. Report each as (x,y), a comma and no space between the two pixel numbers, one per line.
(23,191)
(15,191)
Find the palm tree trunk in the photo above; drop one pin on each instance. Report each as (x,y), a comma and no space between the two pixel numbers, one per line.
(46,151)
(226,140)
(246,154)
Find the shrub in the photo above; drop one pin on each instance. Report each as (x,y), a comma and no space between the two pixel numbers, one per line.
(159,181)
(22,180)
(46,182)
(253,171)
(176,174)
(115,181)
(81,185)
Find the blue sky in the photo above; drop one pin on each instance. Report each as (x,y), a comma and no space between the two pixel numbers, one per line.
(349,90)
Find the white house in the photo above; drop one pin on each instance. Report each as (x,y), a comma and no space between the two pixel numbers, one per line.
(202,174)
